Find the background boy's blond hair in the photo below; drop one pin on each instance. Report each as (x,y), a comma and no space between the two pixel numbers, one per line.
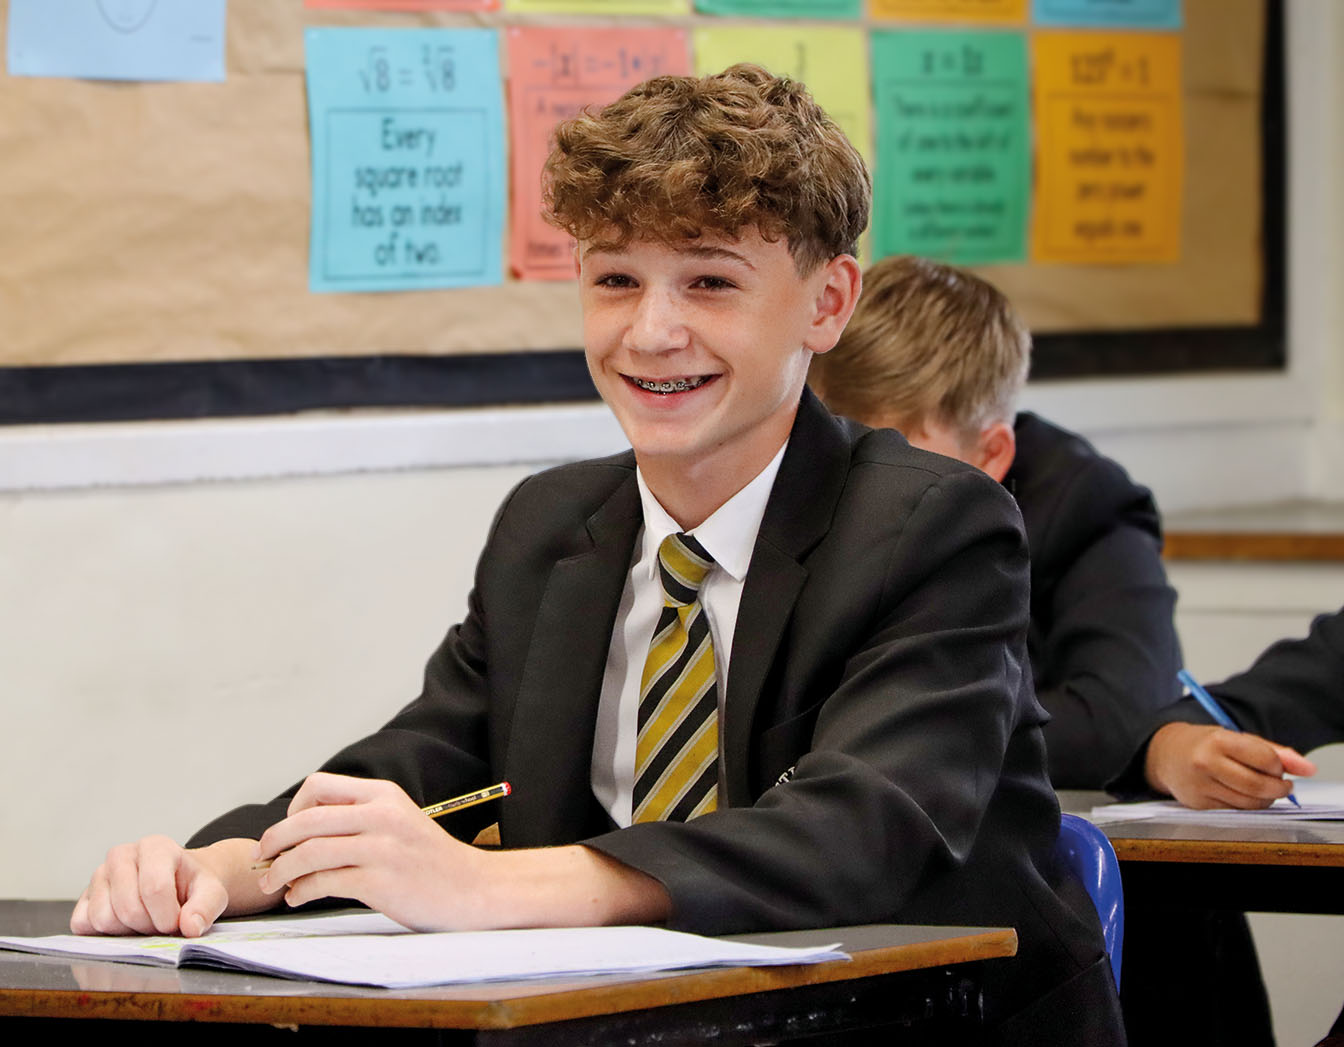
(678,157)
(926,342)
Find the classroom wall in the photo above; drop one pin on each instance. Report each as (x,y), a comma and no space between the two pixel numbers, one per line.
(192,614)
(1228,440)
(173,651)
(1321,266)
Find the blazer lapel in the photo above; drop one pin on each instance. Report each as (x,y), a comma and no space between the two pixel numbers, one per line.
(548,764)
(797,516)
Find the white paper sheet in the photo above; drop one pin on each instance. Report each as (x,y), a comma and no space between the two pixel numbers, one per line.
(1319,801)
(369,949)
(165,950)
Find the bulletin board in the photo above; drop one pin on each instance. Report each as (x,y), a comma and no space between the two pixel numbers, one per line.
(156,236)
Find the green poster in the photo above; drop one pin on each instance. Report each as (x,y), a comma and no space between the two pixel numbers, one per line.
(782,8)
(952,179)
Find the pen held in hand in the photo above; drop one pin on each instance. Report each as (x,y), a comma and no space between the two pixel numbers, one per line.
(437,810)
(1215,710)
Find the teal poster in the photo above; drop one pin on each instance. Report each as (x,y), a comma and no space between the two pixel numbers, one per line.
(782,8)
(408,158)
(952,179)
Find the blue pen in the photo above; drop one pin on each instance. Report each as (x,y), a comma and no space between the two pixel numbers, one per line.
(1215,710)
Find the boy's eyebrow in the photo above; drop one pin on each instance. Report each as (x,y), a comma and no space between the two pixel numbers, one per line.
(708,251)
(703,251)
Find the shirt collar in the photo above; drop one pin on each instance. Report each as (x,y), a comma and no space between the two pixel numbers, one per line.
(728,535)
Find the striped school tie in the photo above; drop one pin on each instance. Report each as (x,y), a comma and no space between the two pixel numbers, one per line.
(677,751)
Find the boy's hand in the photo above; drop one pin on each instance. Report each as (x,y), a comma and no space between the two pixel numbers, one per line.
(366,839)
(152,886)
(1205,766)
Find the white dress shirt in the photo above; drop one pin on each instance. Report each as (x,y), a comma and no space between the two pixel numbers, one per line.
(729,536)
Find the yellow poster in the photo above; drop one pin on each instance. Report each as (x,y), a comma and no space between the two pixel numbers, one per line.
(1110,151)
(833,62)
(984,12)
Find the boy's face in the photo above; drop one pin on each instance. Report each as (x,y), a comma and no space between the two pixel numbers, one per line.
(701,349)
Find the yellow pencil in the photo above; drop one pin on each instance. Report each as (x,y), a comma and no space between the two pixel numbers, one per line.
(437,810)
(458,803)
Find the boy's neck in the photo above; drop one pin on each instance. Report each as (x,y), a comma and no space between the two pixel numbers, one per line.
(691,492)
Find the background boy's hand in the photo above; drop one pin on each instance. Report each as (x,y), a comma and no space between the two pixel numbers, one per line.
(1205,766)
(152,886)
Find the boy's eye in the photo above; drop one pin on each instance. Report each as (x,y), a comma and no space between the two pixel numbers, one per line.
(615,280)
(713,283)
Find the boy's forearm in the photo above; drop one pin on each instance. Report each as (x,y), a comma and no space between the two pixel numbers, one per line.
(571,886)
(539,887)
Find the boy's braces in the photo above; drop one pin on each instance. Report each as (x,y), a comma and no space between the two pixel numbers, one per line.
(674,385)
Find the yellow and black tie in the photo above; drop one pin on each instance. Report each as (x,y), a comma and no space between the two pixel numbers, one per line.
(677,752)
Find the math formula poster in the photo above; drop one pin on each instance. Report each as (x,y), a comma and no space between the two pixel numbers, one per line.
(408,158)
(953,138)
(1111,154)
(556,72)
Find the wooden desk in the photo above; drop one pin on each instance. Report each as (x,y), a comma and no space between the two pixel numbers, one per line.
(923,980)
(1279,867)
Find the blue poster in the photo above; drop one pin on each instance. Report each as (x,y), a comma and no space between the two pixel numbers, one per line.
(408,158)
(117,39)
(1130,14)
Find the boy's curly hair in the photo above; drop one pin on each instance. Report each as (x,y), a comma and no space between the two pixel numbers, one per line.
(677,157)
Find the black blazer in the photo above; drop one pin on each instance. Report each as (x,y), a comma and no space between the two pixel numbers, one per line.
(1293,694)
(1103,646)
(882,747)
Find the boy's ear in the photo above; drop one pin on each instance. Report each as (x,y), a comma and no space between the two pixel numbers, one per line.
(578,260)
(839,282)
(995,450)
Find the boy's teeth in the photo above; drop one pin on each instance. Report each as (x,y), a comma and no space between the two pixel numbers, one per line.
(674,385)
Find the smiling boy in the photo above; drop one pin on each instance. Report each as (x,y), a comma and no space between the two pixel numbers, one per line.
(764,671)
(701,352)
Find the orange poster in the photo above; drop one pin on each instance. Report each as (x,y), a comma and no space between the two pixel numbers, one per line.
(981,12)
(553,73)
(1110,151)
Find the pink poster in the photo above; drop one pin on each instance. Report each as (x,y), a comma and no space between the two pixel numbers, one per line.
(409,5)
(553,73)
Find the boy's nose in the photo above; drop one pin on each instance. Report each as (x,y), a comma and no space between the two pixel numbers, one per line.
(657,324)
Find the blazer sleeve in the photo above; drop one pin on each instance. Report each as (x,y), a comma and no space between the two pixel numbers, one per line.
(1106,653)
(1292,694)
(910,736)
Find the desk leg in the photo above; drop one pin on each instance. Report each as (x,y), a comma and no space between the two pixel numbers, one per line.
(1191,975)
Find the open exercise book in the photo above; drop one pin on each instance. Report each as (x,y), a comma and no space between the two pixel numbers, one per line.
(365,948)
(1317,801)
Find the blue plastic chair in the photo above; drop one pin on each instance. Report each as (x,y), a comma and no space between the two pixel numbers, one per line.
(1084,849)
